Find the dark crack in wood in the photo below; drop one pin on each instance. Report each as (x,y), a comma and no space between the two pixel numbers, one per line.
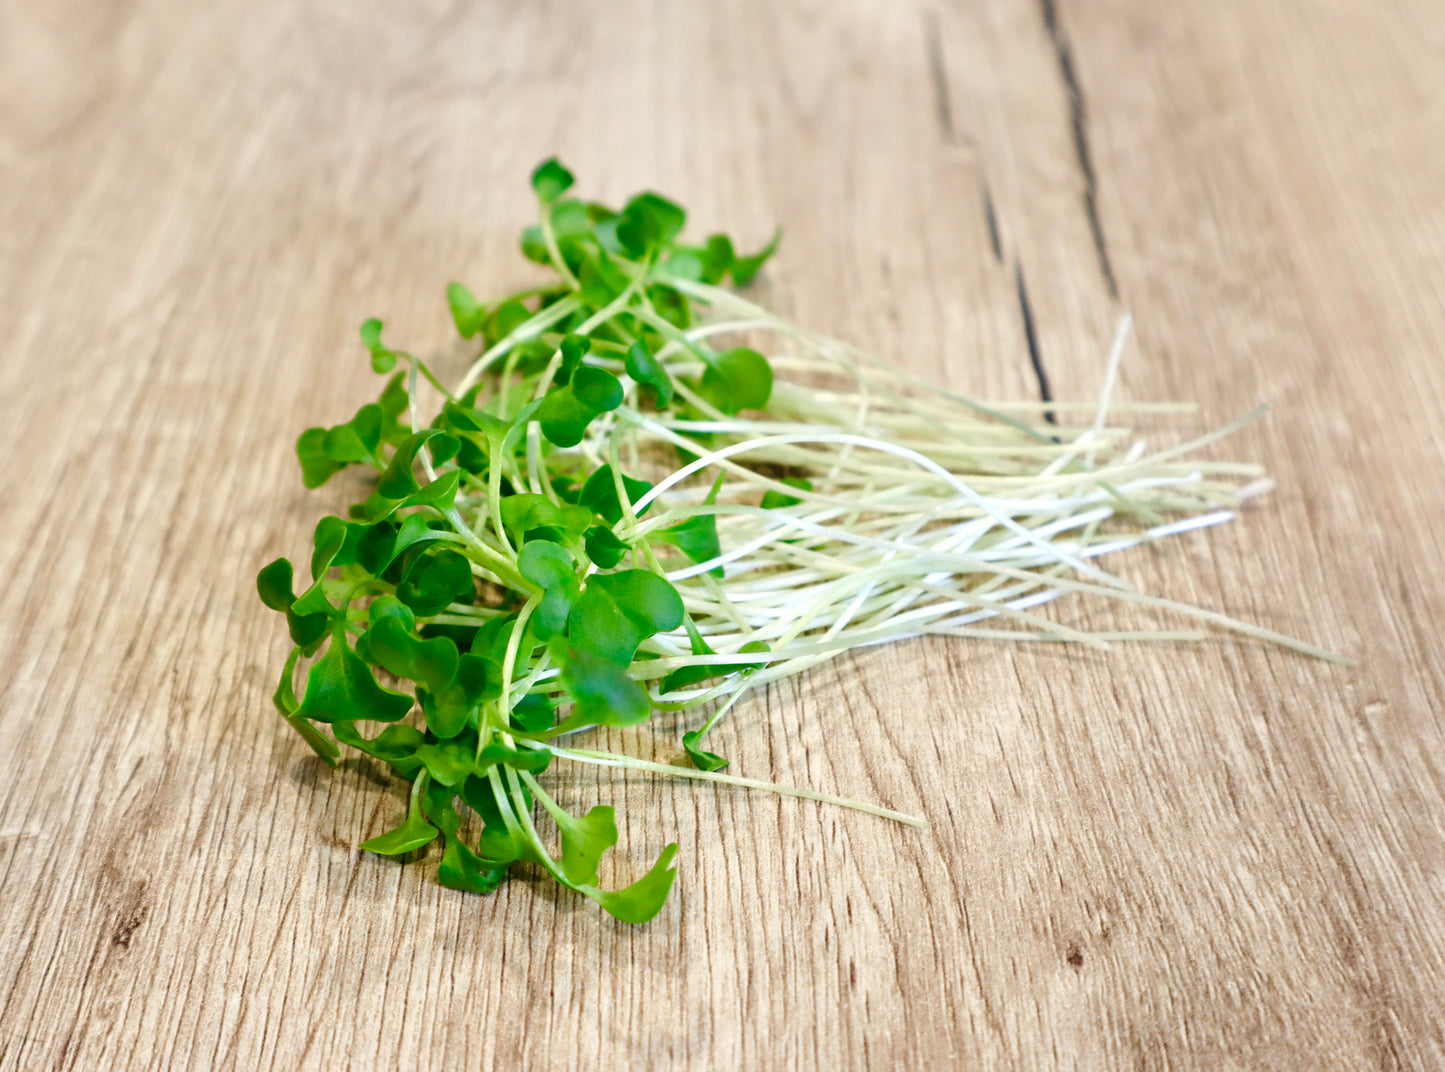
(991,218)
(1031,336)
(938,72)
(1079,122)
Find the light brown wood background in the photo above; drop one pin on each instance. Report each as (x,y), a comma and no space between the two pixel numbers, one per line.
(1212,857)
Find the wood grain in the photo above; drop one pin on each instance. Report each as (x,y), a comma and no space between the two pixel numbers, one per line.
(1213,857)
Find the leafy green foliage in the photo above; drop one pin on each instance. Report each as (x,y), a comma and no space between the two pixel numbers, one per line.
(326,451)
(567,411)
(738,379)
(436,579)
(398,480)
(551,180)
(552,569)
(584,841)
(687,676)
(274,585)
(382,359)
(603,547)
(599,494)
(618,611)
(642,900)
(697,538)
(414,833)
(471,602)
(649,372)
(701,759)
(602,693)
(777,500)
(468,314)
(342,688)
(744,269)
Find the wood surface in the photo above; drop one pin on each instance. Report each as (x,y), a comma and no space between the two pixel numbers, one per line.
(1216,856)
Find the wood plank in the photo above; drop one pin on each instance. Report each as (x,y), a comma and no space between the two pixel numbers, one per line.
(1205,857)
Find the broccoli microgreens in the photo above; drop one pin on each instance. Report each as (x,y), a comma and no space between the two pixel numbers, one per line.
(593,529)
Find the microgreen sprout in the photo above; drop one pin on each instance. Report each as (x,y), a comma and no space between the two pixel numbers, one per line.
(625,507)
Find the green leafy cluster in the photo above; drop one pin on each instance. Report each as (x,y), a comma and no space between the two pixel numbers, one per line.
(488,580)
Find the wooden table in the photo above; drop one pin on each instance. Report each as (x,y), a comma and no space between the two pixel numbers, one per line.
(1216,856)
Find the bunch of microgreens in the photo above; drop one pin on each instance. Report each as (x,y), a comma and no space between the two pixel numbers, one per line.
(592,530)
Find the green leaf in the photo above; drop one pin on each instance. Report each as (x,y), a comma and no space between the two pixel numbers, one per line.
(551,179)
(566,411)
(670,305)
(437,579)
(408,837)
(531,760)
(738,379)
(642,900)
(599,494)
(340,687)
(649,372)
(600,280)
(329,542)
(465,418)
(306,629)
(596,389)
(533,713)
(573,348)
(449,711)
(497,844)
(396,745)
(524,512)
(438,805)
(617,611)
(601,691)
(604,548)
(505,319)
(285,695)
(744,268)
(570,220)
(647,222)
(440,494)
(776,500)
(317,467)
(393,400)
(605,232)
(547,565)
(719,258)
(285,700)
(382,359)
(697,538)
(357,439)
(313,603)
(466,311)
(584,841)
(686,262)
(448,762)
(274,585)
(534,246)
(462,869)
(552,569)
(687,676)
(392,645)
(398,481)
(707,761)
(492,638)
(707,264)
(380,548)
